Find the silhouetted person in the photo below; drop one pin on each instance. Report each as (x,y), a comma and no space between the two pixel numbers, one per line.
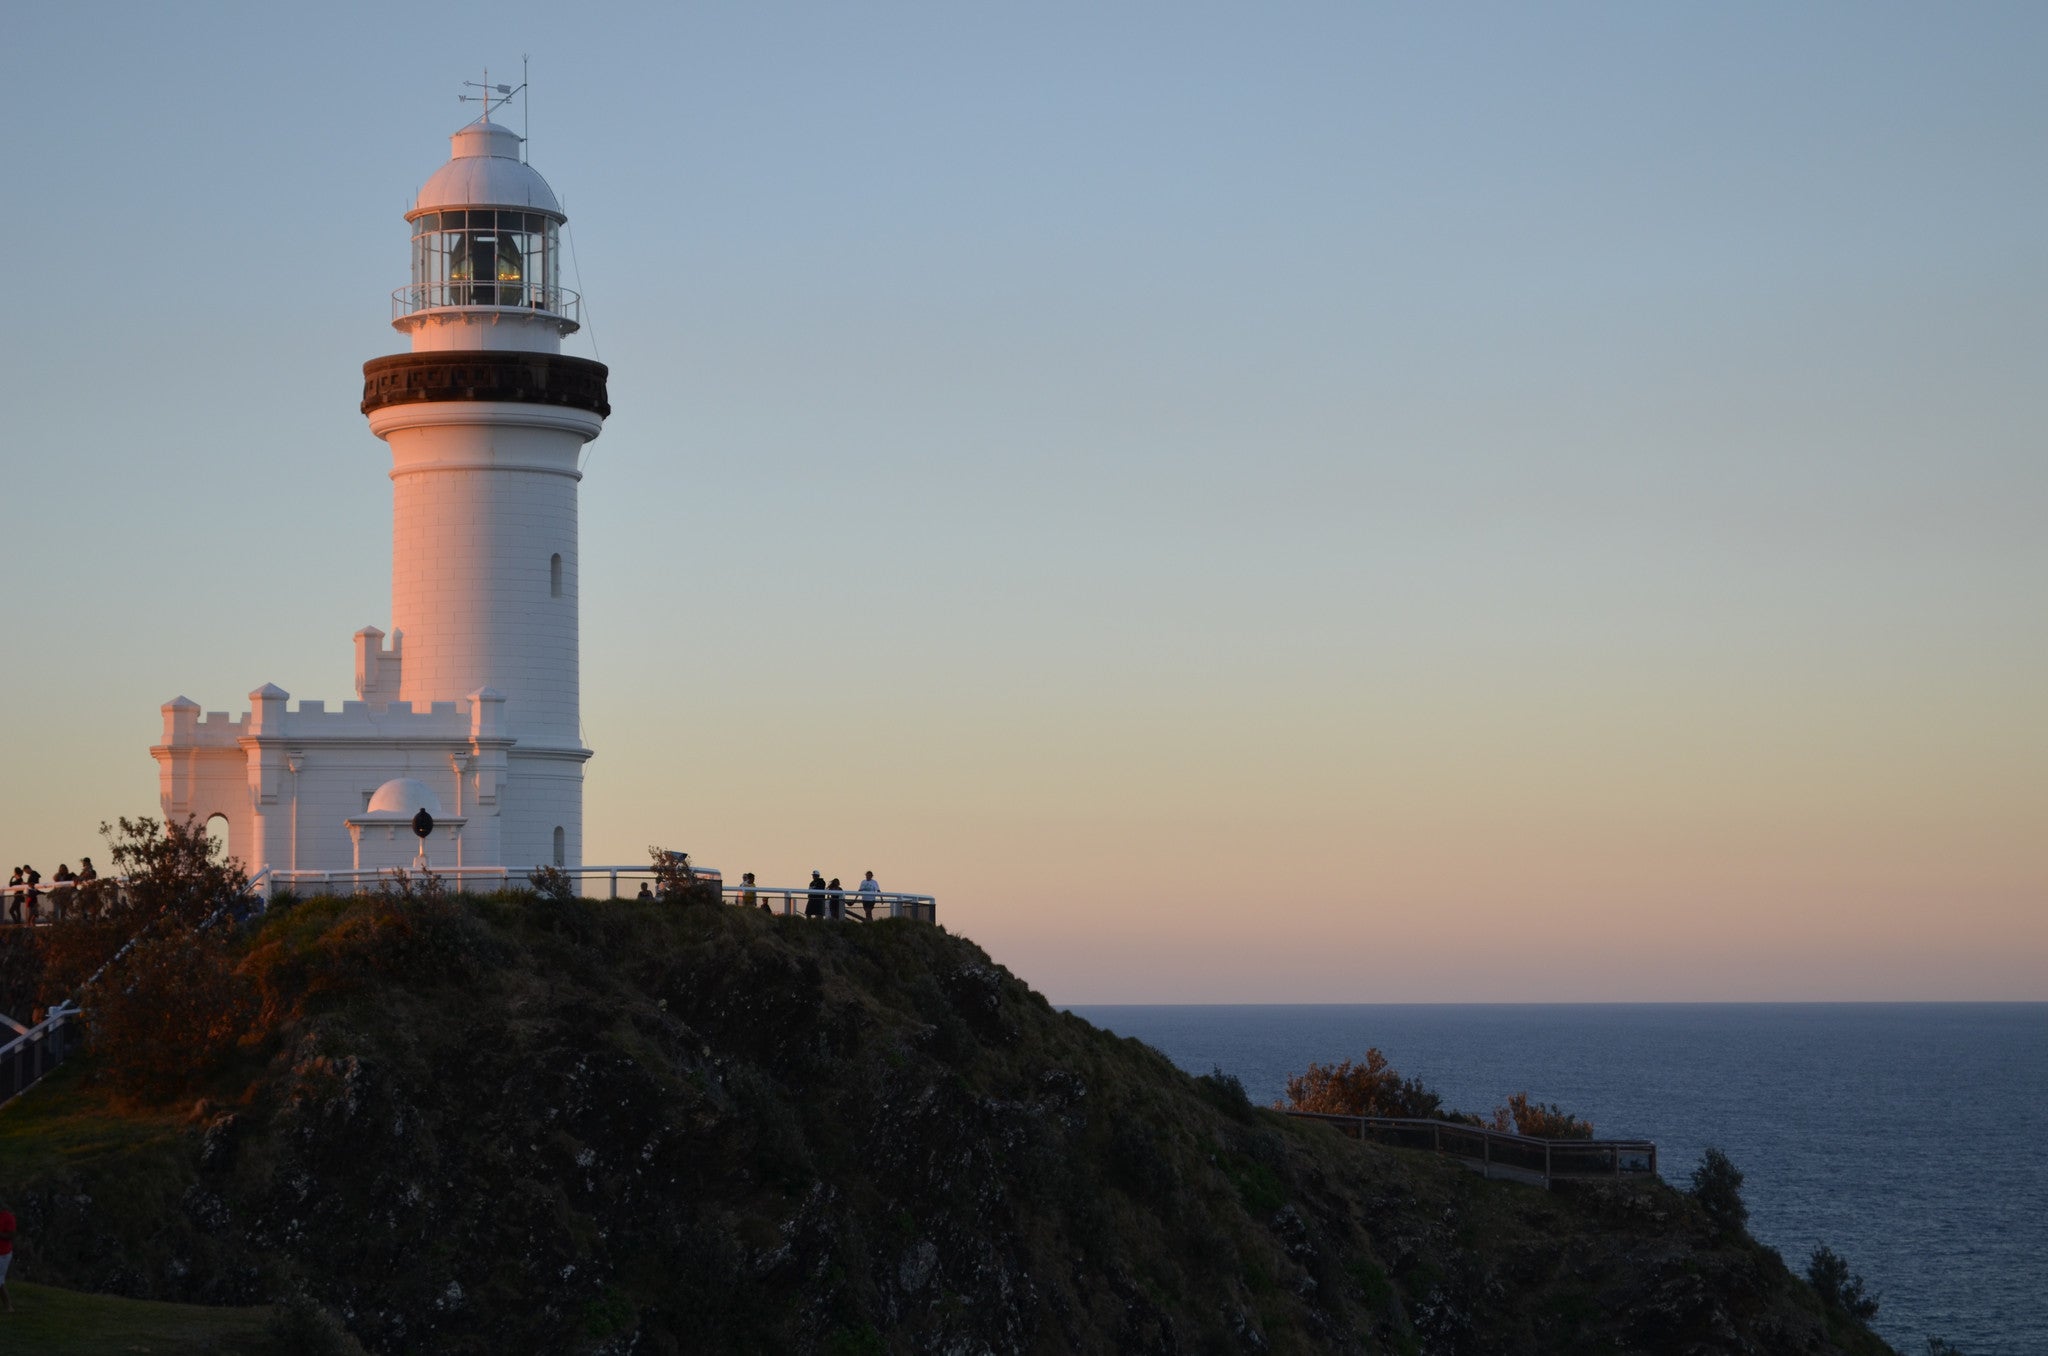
(14,890)
(35,878)
(646,892)
(748,898)
(870,894)
(7,1228)
(62,892)
(814,903)
(88,887)
(838,898)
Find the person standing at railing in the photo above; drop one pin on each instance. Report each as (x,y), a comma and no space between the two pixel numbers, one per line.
(837,897)
(814,902)
(748,897)
(30,899)
(870,895)
(14,888)
(7,1232)
(88,888)
(62,892)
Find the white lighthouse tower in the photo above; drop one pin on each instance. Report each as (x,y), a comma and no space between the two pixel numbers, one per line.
(486,419)
(470,711)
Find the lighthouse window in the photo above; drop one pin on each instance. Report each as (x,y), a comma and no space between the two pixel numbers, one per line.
(561,847)
(555,575)
(479,257)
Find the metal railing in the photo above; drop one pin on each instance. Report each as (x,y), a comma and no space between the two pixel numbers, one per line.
(559,302)
(35,1050)
(1498,1153)
(55,899)
(625,882)
(836,904)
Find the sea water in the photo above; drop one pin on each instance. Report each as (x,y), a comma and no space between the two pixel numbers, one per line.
(1911,1138)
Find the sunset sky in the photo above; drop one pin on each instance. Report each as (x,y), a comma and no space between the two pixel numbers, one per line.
(1343,503)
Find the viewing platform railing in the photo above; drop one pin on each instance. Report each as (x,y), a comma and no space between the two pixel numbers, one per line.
(1500,1154)
(35,1050)
(591,882)
(624,882)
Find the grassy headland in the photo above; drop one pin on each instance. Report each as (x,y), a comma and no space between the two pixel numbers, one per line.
(481,1125)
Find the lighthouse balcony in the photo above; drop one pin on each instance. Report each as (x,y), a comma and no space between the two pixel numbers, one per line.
(558,304)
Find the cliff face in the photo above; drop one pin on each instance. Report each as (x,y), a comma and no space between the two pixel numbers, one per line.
(506,1125)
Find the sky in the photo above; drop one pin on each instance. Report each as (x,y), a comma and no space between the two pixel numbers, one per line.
(1281,503)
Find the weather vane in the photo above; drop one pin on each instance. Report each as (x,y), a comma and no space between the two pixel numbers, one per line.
(502,93)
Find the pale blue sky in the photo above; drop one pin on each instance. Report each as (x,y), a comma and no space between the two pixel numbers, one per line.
(1446,465)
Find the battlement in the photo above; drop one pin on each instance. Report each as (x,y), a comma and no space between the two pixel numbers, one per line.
(480,716)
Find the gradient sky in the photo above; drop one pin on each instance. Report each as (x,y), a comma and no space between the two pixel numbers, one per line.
(1244,503)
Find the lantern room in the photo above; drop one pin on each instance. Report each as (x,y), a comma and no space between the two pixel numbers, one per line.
(486,236)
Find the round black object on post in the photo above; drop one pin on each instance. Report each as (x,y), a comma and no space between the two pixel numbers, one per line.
(423,823)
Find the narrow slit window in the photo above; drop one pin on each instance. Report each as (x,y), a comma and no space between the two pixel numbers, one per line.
(561,847)
(555,575)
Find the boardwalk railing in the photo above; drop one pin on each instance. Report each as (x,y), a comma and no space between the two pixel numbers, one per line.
(35,1050)
(624,882)
(1496,1153)
(595,882)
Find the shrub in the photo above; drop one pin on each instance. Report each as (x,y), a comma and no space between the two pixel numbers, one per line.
(1717,1186)
(303,1327)
(676,882)
(1540,1120)
(552,883)
(177,878)
(174,870)
(1829,1275)
(1225,1091)
(1370,1088)
(169,1010)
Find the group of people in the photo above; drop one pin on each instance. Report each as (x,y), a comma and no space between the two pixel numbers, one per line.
(826,899)
(822,898)
(24,890)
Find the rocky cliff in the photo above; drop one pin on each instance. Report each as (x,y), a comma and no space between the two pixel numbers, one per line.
(513,1125)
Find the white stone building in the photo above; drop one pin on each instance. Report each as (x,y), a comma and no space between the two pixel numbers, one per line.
(470,709)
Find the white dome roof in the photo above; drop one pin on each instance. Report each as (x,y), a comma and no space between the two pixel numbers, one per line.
(486,172)
(404,796)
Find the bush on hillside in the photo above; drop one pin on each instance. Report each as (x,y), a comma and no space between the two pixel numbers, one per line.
(166,1013)
(1717,1186)
(675,881)
(1368,1088)
(177,878)
(1539,1120)
(552,883)
(1225,1091)
(1829,1275)
(175,871)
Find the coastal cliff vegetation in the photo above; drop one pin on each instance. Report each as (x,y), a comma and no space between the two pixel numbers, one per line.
(434,1123)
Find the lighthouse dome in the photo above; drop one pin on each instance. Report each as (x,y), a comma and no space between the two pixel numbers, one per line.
(406,797)
(485,171)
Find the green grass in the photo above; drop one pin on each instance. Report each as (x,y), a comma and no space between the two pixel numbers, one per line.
(54,1322)
(62,1120)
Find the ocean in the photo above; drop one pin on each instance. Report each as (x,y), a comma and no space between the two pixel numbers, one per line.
(1912,1138)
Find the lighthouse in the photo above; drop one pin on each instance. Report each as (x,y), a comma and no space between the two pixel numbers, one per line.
(468,708)
(486,419)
